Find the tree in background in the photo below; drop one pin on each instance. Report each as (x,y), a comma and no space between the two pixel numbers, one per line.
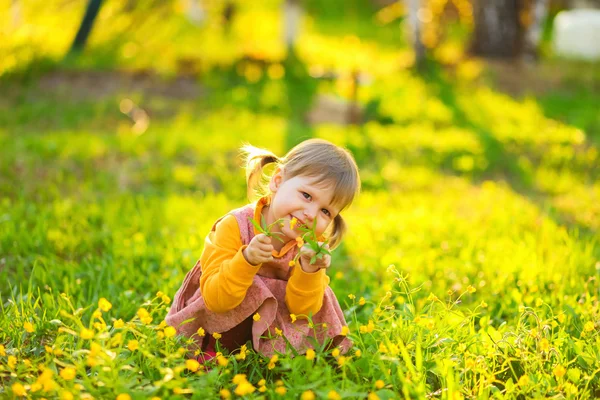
(86,25)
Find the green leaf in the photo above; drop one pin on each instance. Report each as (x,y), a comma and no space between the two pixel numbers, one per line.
(313,259)
(257,226)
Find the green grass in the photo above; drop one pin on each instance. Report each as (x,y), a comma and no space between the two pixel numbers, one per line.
(474,244)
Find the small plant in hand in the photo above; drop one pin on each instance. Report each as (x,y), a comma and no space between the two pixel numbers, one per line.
(266,229)
(309,237)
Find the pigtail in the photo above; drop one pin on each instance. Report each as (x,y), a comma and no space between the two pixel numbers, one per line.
(337,232)
(255,160)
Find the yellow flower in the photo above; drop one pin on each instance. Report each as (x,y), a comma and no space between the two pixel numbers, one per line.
(123,396)
(559,371)
(589,326)
(104,304)
(222,361)
(142,312)
(523,380)
(351,296)
(262,389)
(119,323)
(293,317)
(216,335)
(239,378)
(344,331)
(361,301)
(310,354)
(159,294)
(68,373)
(18,389)
(278,332)
(133,345)
(561,318)
(333,395)
(293,223)
(192,365)
(372,396)
(379,384)
(471,289)
(544,344)
(170,331)
(244,388)
(12,362)
(166,299)
(201,332)
(86,333)
(342,360)
(273,361)
(482,305)
(281,390)
(256,317)
(66,396)
(225,394)
(335,352)
(299,242)
(2,350)
(358,353)
(28,326)
(292,263)
(262,382)
(308,395)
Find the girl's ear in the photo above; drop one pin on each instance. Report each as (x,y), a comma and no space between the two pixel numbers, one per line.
(276,180)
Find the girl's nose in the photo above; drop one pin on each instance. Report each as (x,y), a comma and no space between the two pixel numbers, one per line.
(309,214)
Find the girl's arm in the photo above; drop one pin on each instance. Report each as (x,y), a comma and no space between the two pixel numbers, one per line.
(304,292)
(226,275)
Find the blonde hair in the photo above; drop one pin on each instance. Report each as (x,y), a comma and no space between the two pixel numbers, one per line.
(315,158)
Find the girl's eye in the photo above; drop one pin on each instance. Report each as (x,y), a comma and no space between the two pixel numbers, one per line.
(306,195)
(326,212)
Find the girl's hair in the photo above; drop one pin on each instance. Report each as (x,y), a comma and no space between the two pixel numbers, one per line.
(317,158)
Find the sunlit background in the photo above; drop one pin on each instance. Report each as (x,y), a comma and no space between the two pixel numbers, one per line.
(479,161)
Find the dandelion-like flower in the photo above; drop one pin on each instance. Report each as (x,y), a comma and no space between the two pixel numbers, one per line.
(222,361)
(170,331)
(293,318)
(273,361)
(362,301)
(225,394)
(379,384)
(28,326)
(123,396)
(293,223)
(344,330)
(589,326)
(559,371)
(278,332)
(299,242)
(239,378)
(86,333)
(281,390)
(335,352)
(18,389)
(216,335)
(2,350)
(523,381)
(256,317)
(104,304)
(307,395)
(333,395)
(119,323)
(192,365)
(133,345)
(310,354)
(68,373)
(292,263)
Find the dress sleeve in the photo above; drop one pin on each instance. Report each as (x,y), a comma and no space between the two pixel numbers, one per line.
(226,275)
(304,292)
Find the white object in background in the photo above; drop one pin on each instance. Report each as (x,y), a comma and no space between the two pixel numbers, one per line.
(292,15)
(577,34)
(195,12)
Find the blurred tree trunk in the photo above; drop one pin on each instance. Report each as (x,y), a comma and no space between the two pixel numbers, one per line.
(415,26)
(86,25)
(498,29)
(533,35)
(292,14)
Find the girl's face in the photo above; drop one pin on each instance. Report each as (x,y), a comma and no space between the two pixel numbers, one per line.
(301,197)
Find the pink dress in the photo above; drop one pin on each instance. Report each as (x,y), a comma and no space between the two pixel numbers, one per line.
(266,296)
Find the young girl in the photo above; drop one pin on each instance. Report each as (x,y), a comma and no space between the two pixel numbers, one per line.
(250,286)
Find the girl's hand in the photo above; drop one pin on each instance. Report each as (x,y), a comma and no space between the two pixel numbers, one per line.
(306,253)
(259,250)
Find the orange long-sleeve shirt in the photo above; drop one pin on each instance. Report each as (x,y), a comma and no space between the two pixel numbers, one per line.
(226,275)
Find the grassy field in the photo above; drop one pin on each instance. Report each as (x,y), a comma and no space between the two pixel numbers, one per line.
(472,263)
